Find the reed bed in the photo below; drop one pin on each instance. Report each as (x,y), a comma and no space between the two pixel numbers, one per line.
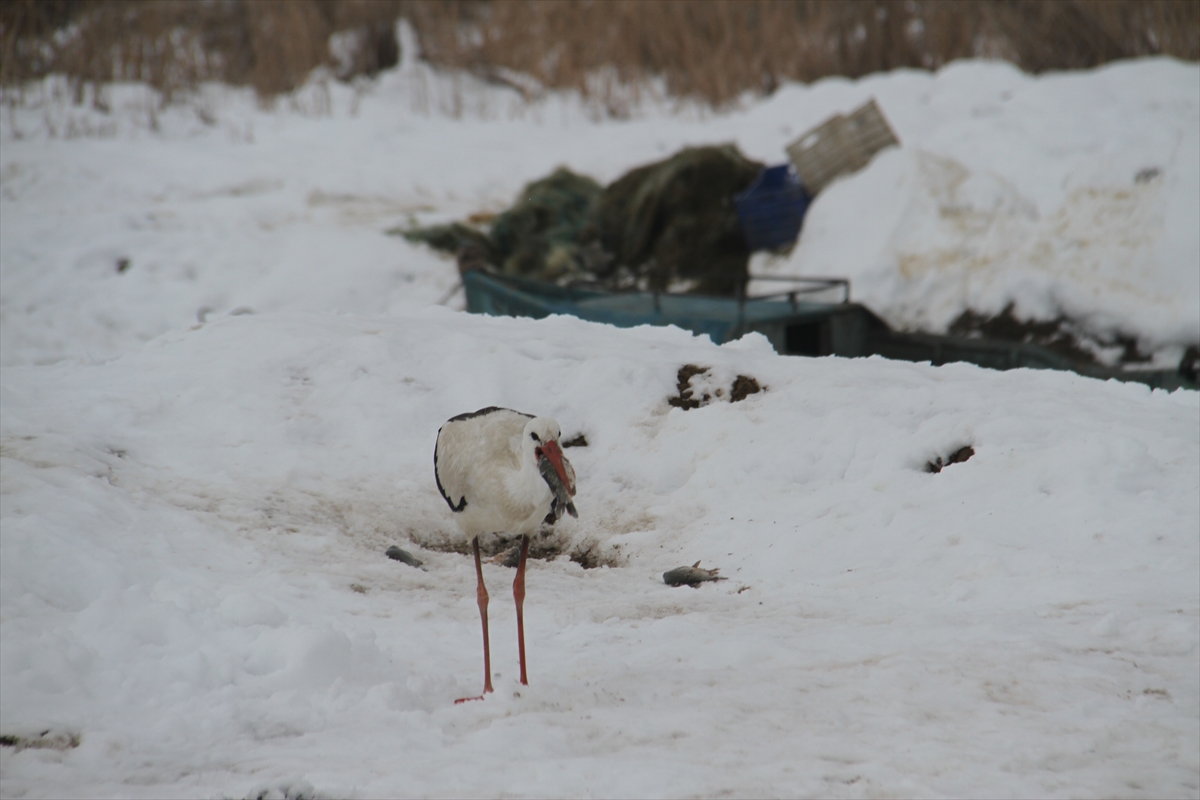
(713,51)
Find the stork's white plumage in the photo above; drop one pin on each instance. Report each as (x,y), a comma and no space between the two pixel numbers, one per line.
(487,465)
(501,471)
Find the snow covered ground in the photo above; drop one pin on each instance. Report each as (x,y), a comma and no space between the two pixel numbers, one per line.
(196,499)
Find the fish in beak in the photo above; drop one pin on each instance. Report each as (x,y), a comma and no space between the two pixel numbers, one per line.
(558,474)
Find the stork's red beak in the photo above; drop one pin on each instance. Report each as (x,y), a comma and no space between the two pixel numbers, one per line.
(551,451)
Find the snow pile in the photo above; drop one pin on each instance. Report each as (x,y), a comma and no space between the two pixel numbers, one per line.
(1070,195)
(194,581)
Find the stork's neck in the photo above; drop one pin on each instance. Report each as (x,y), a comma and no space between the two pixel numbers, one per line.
(529,459)
(530,484)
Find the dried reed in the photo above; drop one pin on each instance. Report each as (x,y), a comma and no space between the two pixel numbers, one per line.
(174,44)
(717,49)
(710,50)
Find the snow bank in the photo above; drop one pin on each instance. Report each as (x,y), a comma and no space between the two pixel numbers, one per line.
(194,580)
(1008,189)
(1066,195)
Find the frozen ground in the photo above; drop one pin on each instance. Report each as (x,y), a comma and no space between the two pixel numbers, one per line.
(196,501)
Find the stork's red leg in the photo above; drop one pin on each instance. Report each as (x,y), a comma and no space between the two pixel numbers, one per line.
(519,596)
(482,595)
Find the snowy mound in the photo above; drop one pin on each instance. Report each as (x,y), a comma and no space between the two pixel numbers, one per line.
(1071,195)
(196,595)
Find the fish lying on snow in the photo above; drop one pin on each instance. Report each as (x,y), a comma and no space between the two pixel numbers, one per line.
(403,556)
(690,576)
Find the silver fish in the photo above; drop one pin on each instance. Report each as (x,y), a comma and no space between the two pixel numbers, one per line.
(562,497)
(690,576)
(403,556)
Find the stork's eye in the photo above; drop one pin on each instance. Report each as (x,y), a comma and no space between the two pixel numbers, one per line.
(534,436)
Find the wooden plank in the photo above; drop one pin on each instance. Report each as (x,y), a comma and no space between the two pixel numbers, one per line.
(840,145)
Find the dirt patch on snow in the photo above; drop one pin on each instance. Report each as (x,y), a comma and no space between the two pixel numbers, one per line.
(937,464)
(545,545)
(49,739)
(1062,336)
(743,387)
(689,397)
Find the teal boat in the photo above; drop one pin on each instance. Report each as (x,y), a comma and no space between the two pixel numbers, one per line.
(794,323)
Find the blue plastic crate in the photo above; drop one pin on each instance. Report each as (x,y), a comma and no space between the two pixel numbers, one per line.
(772,209)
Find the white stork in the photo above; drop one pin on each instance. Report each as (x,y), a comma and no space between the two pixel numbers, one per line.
(501,471)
